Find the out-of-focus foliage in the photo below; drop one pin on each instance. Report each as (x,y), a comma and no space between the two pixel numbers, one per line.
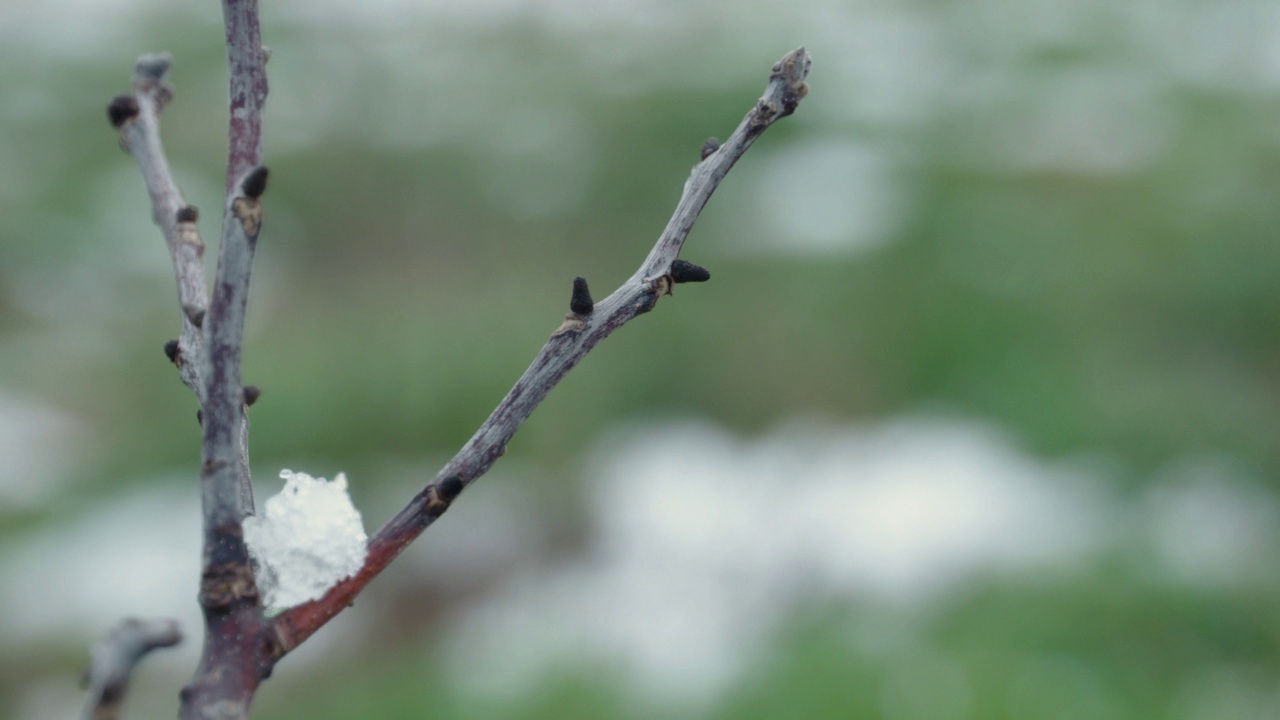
(1057,217)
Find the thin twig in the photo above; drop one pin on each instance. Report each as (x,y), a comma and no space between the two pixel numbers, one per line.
(112,659)
(138,117)
(586,325)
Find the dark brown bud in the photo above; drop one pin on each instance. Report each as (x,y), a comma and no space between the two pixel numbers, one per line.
(188,214)
(581,302)
(200,418)
(171,351)
(255,183)
(449,488)
(250,394)
(122,109)
(683,271)
(710,147)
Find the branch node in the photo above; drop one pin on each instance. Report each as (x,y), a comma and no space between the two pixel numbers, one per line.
(572,323)
(194,313)
(683,271)
(173,352)
(255,182)
(581,303)
(440,495)
(122,109)
(659,286)
(250,394)
(225,583)
(188,214)
(710,147)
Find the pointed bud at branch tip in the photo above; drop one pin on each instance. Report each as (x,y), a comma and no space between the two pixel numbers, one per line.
(581,302)
(122,109)
(255,183)
(171,351)
(683,271)
(710,147)
(188,214)
(250,394)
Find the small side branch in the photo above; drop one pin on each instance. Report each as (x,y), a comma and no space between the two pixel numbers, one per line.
(112,659)
(138,118)
(586,325)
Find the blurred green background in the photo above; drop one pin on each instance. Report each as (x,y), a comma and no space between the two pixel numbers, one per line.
(977,417)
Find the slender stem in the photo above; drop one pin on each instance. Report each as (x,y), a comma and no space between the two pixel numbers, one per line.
(579,333)
(140,135)
(237,651)
(246,66)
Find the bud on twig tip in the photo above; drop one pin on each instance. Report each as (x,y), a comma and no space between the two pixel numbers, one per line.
(171,351)
(581,302)
(683,271)
(255,183)
(250,394)
(122,109)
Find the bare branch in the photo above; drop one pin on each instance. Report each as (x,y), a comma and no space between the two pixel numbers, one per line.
(246,66)
(112,659)
(224,326)
(586,325)
(237,655)
(138,117)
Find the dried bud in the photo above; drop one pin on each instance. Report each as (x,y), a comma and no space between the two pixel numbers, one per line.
(122,109)
(250,394)
(581,302)
(683,271)
(710,147)
(255,183)
(171,351)
(449,488)
(188,214)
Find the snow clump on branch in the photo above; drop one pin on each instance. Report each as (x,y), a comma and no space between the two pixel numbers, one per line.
(308,537)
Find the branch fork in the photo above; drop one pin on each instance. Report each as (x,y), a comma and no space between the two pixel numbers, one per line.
(242,644)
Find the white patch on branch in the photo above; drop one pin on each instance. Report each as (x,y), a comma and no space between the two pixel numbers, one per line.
(308,537)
